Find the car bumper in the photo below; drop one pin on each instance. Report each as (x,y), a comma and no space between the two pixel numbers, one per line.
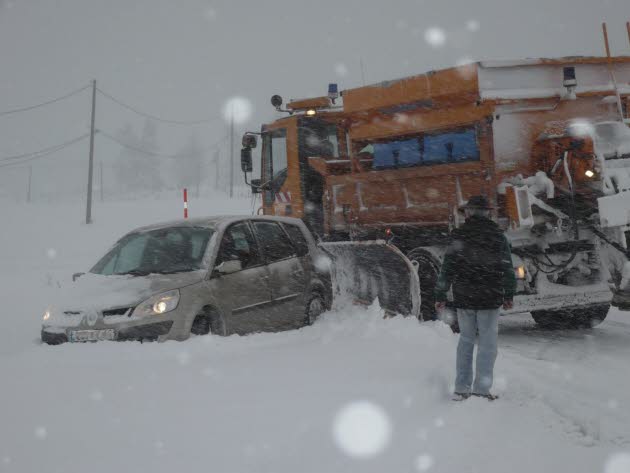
(145,332)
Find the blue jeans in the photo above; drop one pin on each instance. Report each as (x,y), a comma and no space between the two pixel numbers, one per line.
(486,324)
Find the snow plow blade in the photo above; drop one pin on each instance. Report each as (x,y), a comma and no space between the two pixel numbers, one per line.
(368,270)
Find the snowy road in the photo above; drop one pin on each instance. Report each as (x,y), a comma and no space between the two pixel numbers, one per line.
(354,392)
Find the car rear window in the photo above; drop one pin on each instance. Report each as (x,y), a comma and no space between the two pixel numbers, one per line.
(274,241)
(298,238)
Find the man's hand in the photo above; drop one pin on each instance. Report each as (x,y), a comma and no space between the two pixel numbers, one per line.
(439,306)
(508,304)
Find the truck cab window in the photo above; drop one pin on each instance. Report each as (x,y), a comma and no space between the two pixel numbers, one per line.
(274,162)
(275,154)
(318,138)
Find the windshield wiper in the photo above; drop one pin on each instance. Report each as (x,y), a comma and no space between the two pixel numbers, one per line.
(134,272)
(173,271)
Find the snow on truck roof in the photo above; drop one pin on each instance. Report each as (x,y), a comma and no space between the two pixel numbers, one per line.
(519,79)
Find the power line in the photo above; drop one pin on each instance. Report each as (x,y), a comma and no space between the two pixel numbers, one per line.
(155,153)
(153,117)
(43,104)
(41,153)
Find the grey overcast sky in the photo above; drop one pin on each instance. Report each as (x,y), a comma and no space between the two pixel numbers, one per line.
(183,59)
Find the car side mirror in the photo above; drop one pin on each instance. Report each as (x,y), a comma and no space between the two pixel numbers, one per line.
(228,267)
(76,276)
(246,160)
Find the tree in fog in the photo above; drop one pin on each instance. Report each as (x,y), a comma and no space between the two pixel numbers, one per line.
(150,177)
(188,166)
(139,167)
(127,167)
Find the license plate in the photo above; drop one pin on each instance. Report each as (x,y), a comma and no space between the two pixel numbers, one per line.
(91,335)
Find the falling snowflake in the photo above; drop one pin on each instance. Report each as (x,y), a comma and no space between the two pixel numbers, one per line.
(341,69)
(472,25)
(435,36)
(424,462)
(210,14)
(362,429)
(183,358)
(237,108)
(41,432)
(466,67)
(401,25)
(51,253)
(581,128)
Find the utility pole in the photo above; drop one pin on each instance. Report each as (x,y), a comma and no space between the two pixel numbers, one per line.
(611,72)
(216,169)
(88,210)
(101,176)
(30,178)
(232,153)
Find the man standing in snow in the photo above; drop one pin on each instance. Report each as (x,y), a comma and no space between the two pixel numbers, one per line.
(478,265)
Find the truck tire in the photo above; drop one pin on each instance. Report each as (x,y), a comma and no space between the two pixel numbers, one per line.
(572,317)
(428,271)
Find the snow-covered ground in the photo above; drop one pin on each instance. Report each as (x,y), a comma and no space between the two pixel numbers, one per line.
(354,392)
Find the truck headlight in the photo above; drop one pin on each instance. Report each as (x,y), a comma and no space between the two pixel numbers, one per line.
(520,272)
(158,304)
(589,173)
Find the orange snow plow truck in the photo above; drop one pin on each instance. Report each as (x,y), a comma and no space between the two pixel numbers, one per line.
(379,173)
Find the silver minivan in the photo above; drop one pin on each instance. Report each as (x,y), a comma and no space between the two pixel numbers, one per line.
(219,275)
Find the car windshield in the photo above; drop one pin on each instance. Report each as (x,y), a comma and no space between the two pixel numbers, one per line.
(163,251)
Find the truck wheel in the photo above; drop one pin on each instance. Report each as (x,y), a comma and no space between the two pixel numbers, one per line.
(428,271)
(571,318)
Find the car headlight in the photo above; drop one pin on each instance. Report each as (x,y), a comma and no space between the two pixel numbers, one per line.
(46,315)
(158,304)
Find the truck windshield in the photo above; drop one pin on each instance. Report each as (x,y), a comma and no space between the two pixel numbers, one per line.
(163,251)
(318,138)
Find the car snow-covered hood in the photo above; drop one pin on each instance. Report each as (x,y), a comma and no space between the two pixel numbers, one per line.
(98,292)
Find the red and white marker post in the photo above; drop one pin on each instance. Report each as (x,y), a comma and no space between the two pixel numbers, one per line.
(185,203)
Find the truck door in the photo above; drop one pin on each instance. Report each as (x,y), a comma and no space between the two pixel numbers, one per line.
(287,278)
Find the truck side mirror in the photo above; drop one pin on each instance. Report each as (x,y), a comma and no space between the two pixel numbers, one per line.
(256,183)
(246,160)
(249,141)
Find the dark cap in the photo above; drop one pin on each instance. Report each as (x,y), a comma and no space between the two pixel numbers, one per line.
(477,202)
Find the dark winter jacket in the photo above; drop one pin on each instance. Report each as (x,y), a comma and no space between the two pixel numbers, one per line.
(478,264)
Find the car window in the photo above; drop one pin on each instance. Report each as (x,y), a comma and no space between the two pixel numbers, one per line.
(130,255)
(163,250)
(275,243)
(238,243)
(297,237)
